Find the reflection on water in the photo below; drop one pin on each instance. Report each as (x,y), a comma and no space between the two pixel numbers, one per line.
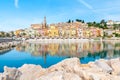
(48,54)
(2,52)
(89,50)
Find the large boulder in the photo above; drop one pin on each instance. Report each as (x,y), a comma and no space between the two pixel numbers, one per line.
(68,69)
(104,66)
(10,74)
(31,72)
(115,64)
(68,65)
(4,77)
(60,75)
(71,66)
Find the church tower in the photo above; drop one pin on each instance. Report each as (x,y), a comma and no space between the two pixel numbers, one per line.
(45,23)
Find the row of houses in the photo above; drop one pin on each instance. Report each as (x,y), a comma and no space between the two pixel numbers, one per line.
(60,30)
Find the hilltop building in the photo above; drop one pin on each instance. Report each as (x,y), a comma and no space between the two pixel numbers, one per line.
(111,23)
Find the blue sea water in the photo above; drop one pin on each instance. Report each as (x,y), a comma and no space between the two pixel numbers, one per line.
(50,54)
(16,59)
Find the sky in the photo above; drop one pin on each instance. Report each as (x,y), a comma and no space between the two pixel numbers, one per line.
(20,14)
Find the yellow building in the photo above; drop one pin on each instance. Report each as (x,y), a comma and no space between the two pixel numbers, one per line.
(18,32)
(53,32)
(73,31)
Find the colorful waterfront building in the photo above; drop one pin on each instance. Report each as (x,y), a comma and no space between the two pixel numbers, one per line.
(65,30)
(95,32)
(36,29)
(45,33)
(73,31)
(53,32)
(19,32)
(110,23)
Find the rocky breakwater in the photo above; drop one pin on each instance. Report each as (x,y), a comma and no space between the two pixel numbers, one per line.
(8,45)
(68,69)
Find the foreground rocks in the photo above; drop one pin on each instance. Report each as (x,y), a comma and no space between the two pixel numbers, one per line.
(68,69)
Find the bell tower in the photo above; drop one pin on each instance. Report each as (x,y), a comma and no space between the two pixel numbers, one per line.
(45,23)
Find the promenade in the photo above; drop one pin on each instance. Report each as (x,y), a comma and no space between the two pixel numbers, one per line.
(45,40)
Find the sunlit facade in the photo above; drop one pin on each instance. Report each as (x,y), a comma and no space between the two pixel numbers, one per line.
(62,30)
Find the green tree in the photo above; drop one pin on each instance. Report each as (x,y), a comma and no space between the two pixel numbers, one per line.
(116,26)
(23,34)
(94,23)
(69,21)
(7,35)
(2,34)
(78,20)
(103,24)
(83,21)
(97,25)
(117,35)
(90,24)
(72,21)
(102,21)
(12,32)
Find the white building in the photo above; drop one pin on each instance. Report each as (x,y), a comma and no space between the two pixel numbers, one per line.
(116,22)
(110,23)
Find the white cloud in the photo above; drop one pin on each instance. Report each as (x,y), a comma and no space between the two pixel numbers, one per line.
(16,3)
(86,4)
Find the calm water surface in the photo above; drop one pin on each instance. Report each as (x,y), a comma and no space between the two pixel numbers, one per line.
(48,54)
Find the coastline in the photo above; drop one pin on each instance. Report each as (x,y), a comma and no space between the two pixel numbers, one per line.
(66,40)
(5,45)
(68,69)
